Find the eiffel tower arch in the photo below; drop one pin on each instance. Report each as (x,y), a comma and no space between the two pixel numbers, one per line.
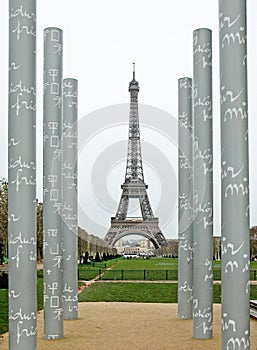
(134,187)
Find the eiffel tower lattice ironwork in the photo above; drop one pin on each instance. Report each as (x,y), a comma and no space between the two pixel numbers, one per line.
(135,187)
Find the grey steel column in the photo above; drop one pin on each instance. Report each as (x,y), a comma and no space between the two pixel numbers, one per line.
(234,175)
(22,176)
(185,206)
(52,221)
(203,185)
(70,201)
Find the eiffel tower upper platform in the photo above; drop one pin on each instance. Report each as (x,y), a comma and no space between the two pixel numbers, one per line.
(135,187)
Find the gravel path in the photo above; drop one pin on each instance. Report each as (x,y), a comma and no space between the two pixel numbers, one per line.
(127,326)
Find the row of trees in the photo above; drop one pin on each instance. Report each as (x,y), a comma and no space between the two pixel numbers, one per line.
(86,242)
(92,246)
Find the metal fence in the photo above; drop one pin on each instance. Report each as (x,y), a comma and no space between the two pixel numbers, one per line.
(141,275)
(145,275)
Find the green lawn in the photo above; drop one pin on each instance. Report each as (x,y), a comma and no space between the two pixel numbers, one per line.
(3,311)
(90,271)
(40,292)
(253,265)
(142,292)
(87,272)
(147,264)
(130,292)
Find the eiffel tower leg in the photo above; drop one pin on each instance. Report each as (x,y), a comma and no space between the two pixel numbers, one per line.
(123,207)
(111,235)
(146,209)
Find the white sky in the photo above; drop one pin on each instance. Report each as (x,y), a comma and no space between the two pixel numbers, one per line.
(101,40)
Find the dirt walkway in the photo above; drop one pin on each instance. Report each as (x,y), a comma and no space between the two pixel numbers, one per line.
(127,326)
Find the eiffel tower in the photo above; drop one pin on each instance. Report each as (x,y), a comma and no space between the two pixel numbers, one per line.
(135,187)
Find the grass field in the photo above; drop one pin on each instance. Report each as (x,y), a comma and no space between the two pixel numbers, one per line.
(3,311)
(147,264)
(159,264)
(130,292)
(89,271)
(142,292)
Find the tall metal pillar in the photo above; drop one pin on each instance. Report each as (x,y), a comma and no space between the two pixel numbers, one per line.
(234,175)
(185,206)
(70,201)
(203,185)
(22,176)
(52,210)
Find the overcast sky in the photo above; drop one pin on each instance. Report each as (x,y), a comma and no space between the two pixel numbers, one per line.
(101,41)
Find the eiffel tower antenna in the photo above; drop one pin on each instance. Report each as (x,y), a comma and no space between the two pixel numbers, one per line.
(134,186)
